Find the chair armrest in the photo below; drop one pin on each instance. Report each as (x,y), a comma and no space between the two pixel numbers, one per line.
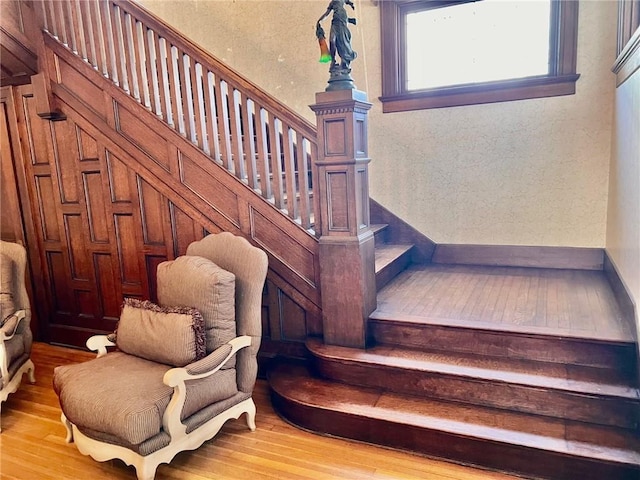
(99,343)
(176,378)
(8,330)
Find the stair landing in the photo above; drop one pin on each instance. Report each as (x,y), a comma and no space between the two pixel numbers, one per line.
(572,303)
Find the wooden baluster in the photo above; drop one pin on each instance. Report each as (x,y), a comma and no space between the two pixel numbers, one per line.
(121,49)
(110,45)
(248,127)
(313,157)
(222,107)
(164,82)
(186,73)
(199,127)
(185,89)
(142,61)
(290,171)
(174,89)
(213,144)
(276,162)
(263,151)
(236,133)
(69,26)
(60,23)
(88,32)
(100,40)
(303,150)
(131,53)
(153,69)
(46,16)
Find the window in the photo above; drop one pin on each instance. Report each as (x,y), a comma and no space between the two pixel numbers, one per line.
(449,53)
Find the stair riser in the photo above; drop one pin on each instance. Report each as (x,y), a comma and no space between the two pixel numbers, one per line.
(506,344)
(491,454)
(520,398)
(389,272)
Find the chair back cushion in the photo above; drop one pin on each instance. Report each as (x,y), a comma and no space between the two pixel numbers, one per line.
(7,304)
(249,264)
(201,284)
(170,335)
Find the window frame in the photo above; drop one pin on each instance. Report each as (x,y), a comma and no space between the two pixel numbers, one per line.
(560,80)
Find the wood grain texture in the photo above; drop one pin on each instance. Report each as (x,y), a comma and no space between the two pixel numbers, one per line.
(541,448)
(570,302)
(33,445)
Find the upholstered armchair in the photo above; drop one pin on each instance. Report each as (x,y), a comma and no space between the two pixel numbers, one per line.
(15,332)
(181,369)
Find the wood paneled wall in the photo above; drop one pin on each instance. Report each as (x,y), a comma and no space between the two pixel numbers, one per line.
(114,192)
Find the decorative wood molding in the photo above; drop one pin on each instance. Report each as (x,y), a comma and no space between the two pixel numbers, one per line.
(628,60)
(560,80)
(625,301)
(520,256)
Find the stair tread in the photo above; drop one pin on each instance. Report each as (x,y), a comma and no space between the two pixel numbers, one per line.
(387,253)
(402,318)
(514,371)
(542,433)
(377,227)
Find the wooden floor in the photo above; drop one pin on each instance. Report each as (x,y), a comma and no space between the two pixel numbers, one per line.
(548,301)
(32,445)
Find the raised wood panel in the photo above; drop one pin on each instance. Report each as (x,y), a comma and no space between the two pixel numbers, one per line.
(85,90)
(66,159)
(209,189)
(87,305)
(129,126)
(282,246)
(46,201)
(80,269)
(125,230)
(151,264)
(153,210)
(61,291)
(96,209)
(108,288)
(35,135)
(118,179)
(292,318)
(184,230)
(87,145)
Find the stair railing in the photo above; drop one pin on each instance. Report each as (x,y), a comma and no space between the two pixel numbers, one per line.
(239,126)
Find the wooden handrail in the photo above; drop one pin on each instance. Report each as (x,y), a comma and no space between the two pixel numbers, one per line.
(238,125)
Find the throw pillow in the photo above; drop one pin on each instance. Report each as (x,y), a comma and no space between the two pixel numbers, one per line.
(170,335)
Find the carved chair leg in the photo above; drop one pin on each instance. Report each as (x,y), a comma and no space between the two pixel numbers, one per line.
(67,424)
(31,369)
(146,471)
(251,416)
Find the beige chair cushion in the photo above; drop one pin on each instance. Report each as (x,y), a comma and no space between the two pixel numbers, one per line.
(7,305)
(170,335)
(123,396)
(201,284)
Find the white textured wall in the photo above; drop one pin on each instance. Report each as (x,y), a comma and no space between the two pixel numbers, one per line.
(532,172)
(623,226)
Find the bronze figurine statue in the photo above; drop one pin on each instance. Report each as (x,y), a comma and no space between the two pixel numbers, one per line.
(339,43)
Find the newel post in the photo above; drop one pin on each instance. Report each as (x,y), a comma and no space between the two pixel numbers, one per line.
(347,270)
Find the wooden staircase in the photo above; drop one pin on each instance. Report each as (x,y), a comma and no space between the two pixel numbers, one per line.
(531,401)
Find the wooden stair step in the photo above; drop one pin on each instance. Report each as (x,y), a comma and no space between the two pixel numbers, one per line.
(390,260)
(511,341)
(538,446)
(563,391)
(379,232)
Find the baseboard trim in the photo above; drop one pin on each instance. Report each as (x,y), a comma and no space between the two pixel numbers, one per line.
(627,306)
(576,258)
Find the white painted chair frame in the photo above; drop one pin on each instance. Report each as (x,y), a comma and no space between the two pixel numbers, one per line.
(180,440)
